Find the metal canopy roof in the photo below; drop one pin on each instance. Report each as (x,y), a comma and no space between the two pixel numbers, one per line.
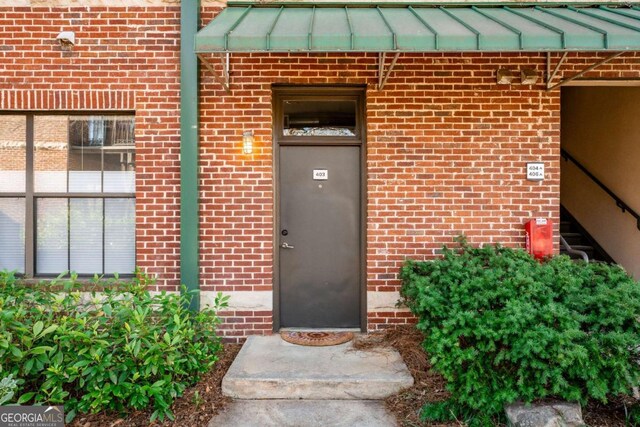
(300,28)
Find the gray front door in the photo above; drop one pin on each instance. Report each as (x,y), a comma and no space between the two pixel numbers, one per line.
(319,236)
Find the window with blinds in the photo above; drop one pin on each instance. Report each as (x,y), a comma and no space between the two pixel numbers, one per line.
(67,194)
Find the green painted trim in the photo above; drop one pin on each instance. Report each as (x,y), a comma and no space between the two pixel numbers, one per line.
(460,3)
(455,29)
(189,123)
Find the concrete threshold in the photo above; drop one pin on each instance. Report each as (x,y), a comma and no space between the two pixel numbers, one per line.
(270,368)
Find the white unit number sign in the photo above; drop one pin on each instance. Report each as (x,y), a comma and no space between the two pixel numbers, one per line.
(320,174)
(535,171)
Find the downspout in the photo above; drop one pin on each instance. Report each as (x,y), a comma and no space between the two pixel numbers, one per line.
(189,123)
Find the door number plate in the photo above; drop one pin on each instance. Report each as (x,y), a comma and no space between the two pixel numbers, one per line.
(535,171)
(320,174)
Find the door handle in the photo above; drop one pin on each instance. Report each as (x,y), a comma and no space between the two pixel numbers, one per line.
(285,245)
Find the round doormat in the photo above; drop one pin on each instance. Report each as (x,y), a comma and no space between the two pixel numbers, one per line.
(316,338)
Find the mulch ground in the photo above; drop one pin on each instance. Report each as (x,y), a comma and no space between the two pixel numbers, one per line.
(204,400)
(430,386)
(194,409)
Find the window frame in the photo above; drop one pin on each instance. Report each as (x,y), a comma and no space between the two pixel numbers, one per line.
(31,196)
(346,93)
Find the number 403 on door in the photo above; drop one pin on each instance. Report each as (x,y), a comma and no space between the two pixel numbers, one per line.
(320,174)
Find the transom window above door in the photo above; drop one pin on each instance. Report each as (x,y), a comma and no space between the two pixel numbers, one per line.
(319,118)
(331,116)
(67,194)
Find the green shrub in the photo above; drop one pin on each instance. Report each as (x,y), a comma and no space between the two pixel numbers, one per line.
(502,327)
(632,417)
(8,387)
(119,349)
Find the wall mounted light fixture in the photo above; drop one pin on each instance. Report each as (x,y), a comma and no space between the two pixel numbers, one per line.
(504,76)
(247,142)
(67,39)
(528,76)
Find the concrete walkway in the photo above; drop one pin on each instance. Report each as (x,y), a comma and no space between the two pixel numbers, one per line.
(276,383)
(294,413)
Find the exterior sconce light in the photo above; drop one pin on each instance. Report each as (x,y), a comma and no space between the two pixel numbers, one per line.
(504,76)
(66,39)
(247,142)
(528,76)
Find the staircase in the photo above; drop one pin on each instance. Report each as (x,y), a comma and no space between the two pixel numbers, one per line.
(579,239)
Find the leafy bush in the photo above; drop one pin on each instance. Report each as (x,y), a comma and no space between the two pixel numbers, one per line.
(8,387)
(119,349)
(633,415)
(502,327)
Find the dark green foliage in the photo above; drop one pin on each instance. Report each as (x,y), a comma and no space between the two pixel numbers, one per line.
(450,410)
(118,350)
(502,327)
(633,415)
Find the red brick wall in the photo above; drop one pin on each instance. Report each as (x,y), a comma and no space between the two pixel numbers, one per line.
(125,59)
(51,137)
(12,143)
(446,155)
(239,324)
(446,146)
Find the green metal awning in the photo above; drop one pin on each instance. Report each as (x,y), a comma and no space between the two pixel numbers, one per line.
(419,28)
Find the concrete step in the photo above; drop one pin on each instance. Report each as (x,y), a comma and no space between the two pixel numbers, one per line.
(566,227)
(574,238)
(270,368)
(585,248)
(289,413)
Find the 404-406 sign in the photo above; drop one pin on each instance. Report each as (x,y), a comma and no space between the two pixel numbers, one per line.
(535,171)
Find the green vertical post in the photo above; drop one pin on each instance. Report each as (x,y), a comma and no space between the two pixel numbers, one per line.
(189,120)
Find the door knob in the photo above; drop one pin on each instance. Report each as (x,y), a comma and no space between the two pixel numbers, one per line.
(285,245)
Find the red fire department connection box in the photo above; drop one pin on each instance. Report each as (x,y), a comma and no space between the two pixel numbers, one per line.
(539,237)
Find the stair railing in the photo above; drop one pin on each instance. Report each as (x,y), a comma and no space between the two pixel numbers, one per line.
(619,202)
(572,251)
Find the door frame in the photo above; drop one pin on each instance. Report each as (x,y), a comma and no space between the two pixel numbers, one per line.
(300,92)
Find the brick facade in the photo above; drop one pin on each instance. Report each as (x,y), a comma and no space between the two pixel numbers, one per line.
(125,59)
(446,146)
